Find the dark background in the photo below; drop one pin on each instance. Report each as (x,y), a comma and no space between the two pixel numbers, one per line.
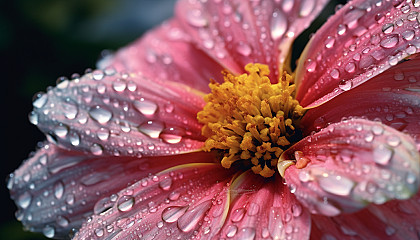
(41,40)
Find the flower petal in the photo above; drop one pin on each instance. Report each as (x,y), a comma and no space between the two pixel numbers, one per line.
(392,97)
(363,39)
(182,202)
(351,164)
(108,113)
(263,209)
(392,220)
(167,53)
(56,189)
(238,32)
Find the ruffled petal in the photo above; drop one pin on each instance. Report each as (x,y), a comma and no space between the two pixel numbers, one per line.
(363,39)
(238,32)
(56,189)
(393,97)
(392,220)
(264,209)
(109,113)
(167,53)
(179,203)
(351,164)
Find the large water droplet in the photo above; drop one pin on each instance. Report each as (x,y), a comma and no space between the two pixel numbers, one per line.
(165,184)
(173,213)
(191,218)
(244,49)
(125,203)
(172,135)
(103,134)
(246,233)
(102,206)
(24,200)
(196,18)
(100,114)
(345,85)
(48,231)
(306,7)
(62,221)
(388,28)
(382,155)
(278,25)
(58,190)
(390,41)
(40,99)
(231,231)
(238,214)
(335,184)
(33,118)
(96,149)
(152,128)
(61,130)
(147,108)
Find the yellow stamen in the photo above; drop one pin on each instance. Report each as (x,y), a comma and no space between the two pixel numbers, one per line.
(251,121)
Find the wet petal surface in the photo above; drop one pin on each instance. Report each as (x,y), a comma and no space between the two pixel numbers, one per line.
(110,113)
(182,202)
(393,97)
(264,209)
(363,39)
(351,164)
(236,33)
(58,189)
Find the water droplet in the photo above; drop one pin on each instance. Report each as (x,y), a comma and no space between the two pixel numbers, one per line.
(173,213)
(329,42)
(103,134)
(393,140)
(382,155)
(306,7)
(388,28)
(62,221)
(173,196)
(335,184)
(33,118)
(231,231)
(196,18)
(345,85)
(350,67)
(61,130)
(310,65)
(96,149)
(74,139)
(244,49)
(341,29)
(40,99)
(147,108)
(152,128)
(253,209)
(70,110)
(390,41)
(100,114)
(48,231)
(335,73)
(119,85)
(172,135)
(278,25)
(98,75)
(99,232)
(191,218)
(247,233)
(24,200)
(102,206)
(125,203)
(165,184)
(58,190)
(390,230)
(238,214)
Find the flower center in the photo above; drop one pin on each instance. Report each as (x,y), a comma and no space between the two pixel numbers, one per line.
(250,121)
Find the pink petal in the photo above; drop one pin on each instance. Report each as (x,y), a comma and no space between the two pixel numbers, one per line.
(238,32)
(392,220)
(167,54)
(392,97)
(56,189)
(351,164)
(363,39)
(264,209)
(181,202)
(121,114)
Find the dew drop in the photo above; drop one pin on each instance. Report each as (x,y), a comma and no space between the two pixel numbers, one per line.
(253,209)
(40,99)
(74,139)
(306,7)
(119,85)
(173,196)
(62,221)
(61,130)
(389,41)
(147,108)
(151,128)
(70,110)
(191,218)
(103,134)
(33,118)
(287,5)
(278,25)
(172,135)
(125,203)
(382,155)
(100,114)
(195,18)
(238,215)
(350,67)
(98,75)
(99,232)
(173,213)
(310,65)
(58,190)
(24,200)
(335,184)
(329,42)
(231,231)
(102,206)
(244,49)
(165,184)
(341,29)
(345,85)
(416,3)
(393,140)
(48,231)
(335,73)
(247,233)
(388,28)
(96,149)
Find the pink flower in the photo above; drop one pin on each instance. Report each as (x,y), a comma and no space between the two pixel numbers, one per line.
(123,154)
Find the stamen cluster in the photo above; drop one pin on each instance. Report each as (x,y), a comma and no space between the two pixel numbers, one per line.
(251,121)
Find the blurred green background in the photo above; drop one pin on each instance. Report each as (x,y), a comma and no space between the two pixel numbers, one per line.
(41,40)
